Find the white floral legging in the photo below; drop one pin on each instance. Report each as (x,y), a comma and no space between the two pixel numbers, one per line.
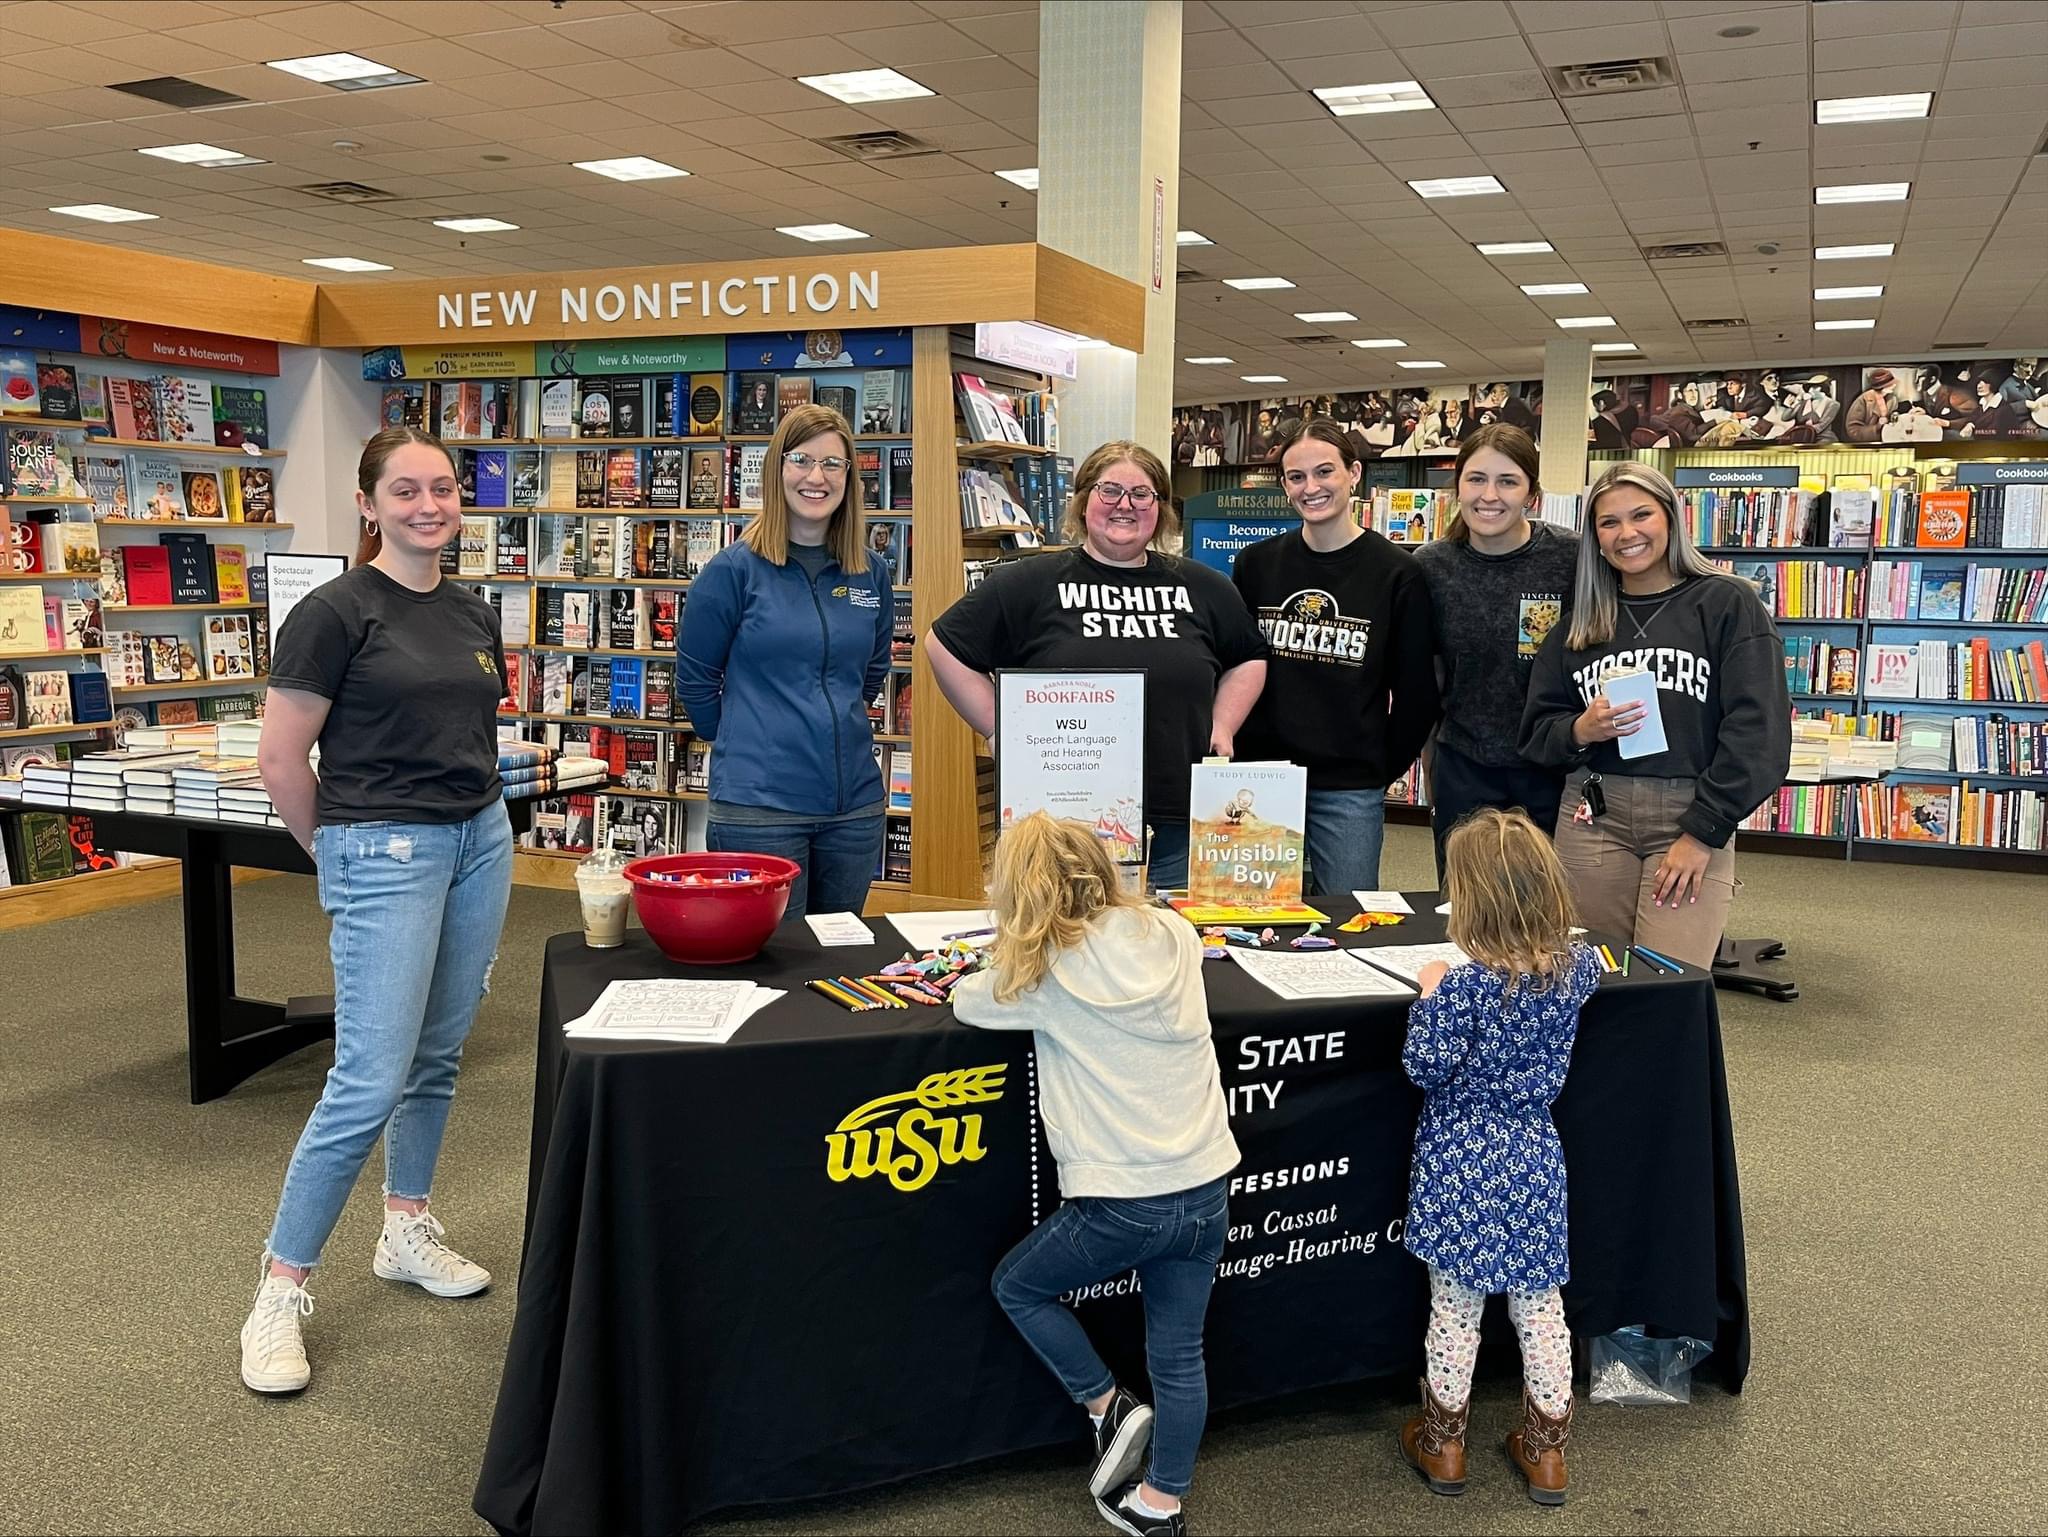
(1452,1344)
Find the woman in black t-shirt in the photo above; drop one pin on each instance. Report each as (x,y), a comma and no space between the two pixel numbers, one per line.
(396,674)
(1114,602)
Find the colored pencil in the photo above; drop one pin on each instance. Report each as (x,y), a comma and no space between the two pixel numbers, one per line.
(839,996)
(870,991)
(1655,961)
(1659,955)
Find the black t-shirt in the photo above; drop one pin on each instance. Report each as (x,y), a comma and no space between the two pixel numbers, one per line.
(414,680)
(1180,622)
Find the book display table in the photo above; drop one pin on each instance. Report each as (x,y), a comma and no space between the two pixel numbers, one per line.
(760,1271)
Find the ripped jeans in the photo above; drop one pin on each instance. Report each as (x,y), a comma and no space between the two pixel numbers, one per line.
(416,909)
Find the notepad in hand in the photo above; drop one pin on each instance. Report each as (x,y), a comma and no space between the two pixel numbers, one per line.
(1638,687)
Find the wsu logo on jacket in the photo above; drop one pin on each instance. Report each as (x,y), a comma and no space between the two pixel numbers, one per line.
(1310,627)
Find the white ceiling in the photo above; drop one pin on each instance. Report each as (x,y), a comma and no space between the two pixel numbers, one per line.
(1728,153)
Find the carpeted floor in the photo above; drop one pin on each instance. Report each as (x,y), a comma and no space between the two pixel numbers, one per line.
(1891,1127)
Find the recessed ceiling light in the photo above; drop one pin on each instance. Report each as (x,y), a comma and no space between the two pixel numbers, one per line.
(1515,248)
(1455,186)
(1323,317)
(106,213)
(1389,96)
(1614,346)
(1211,362)
(1844,325)
(1581,322)
(345,263)
(1263,378)
(200,154)
(822,231)
(475,226)
(1027,178)
(1872,109)
(1538,290)
(1864,192)
(1418,363)
(1380,341)
(1189,237)
(1863,291)
(1837,253)
(631,168)
(864,85)
(1740,29)
(1249,283)
(349,71)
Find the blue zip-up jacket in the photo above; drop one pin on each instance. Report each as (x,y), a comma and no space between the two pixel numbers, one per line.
(776,672)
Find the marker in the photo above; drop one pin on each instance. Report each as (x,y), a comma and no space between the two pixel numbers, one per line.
(1659,955)
(966,934)
(1624,963)
(839,996)
(1655,962)
(1607,958)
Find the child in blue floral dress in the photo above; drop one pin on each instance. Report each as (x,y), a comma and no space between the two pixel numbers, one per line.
(1488,1044)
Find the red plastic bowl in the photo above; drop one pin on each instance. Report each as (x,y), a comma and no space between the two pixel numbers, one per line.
(712,925)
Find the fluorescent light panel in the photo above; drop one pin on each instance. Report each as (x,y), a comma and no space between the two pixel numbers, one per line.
(1538,290)
(1864,291)
(200,154)
(1323,317)
(1256,283)
(822,231)
(346,264)
(1872,109)
(1380,341)
(1584,322)
(865,85)
(1844,325)
(1418,363)
(1864,192)
(1456,186)
(1515,248)
(475,226)
(347,71)
(1189,237)
(631,168)
(1211,362)
(1837,253)
(1614,346)
(1027,178)
(1263,378)
(105,213)
(1388,96)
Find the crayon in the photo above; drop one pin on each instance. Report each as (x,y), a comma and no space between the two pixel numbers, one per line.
(915,994)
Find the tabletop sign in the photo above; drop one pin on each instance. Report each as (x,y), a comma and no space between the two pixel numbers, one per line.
(1073,744)
(1777,475)
(291,577)
(1983,473)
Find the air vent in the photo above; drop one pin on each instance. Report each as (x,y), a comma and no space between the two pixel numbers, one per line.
(1962,346)
(1722,324)
(1612,78)
(347,192)
(882,144)
(1182,276)
(1683,250)
(1321,339)
(173,91)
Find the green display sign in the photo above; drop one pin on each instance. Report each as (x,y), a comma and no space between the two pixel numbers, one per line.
(633,355)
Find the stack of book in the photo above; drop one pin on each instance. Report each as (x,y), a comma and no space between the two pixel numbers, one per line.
(196,786)
(46,784)
(99,779)
(531,769)
(149,786)
(194,736)
(247,802)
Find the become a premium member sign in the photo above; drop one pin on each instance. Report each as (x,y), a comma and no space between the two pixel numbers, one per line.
(1073,744)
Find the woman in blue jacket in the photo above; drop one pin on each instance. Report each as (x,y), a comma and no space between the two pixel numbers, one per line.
(784,640)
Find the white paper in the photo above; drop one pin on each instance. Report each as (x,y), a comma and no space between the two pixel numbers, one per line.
(839,929)
(928,931)
(1316,973)
(1407,961)
(1443,909)
(671,1009)
(1381,902)
(1638,688)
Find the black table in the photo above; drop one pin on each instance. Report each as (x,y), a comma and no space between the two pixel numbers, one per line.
(228,1037)
(721,1305)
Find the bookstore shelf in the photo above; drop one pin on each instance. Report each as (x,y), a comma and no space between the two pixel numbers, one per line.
(73,728)
(1953,624)
(189,684)
(178,450)
(46,501)
(1004,451)
(259,528)
(593,720)
(1952,552)
(675,583)
(655,795)
(183,608)
(654,656)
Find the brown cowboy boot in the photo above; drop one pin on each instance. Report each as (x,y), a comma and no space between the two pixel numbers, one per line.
(1537,1451)
(1434,1444)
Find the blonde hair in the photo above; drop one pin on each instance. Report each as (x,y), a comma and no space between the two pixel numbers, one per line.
(1074,525)
(1596,591)
(1511,903)
(846,535)
(1052,879)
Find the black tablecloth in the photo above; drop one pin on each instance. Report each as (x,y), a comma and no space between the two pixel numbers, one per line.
(717,1308)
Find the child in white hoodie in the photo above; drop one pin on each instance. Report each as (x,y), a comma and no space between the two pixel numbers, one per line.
(1134,1112)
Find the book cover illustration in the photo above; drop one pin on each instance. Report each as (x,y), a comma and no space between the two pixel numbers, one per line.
(49,698)
(1245,844)
(707,405)
(1944,520)
(1922,813)
(753,408)
(184,410)
(629,408)
(34,466)
(59,383)
(707,479)
(594,408)
(20,383)
(106,482)
(203,498)
(159,487)
(1941,592)
(791,391)
(257,492)
(241,417)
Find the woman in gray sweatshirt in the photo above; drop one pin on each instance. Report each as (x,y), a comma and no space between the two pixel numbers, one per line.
(1647,836)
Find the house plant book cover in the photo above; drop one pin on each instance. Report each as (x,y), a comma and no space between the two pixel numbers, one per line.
(1245,842)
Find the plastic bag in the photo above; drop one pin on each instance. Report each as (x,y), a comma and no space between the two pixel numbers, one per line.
(1629,1367)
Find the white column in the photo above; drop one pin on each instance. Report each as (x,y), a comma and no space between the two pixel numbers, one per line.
(321,412)
(1567,412)
(1109,194)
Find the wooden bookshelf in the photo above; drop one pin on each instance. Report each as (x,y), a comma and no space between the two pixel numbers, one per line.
(260,528)
(181,608)
(1002,452)
(45,501)
(23,733)
(178,450)
(259,681)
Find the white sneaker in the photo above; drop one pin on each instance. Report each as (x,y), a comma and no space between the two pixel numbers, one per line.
(410,1249)
(273,1349)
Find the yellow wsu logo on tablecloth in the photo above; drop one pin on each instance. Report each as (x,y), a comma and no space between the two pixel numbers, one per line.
(909,1153)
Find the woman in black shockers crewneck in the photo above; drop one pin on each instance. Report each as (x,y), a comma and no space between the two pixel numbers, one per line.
(1648,842)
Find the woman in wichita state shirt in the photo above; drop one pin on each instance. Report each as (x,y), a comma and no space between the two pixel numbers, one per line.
(1114,602)
(397,674)
(1648,851)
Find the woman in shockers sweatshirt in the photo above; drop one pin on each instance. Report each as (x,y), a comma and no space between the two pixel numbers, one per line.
(1647,838)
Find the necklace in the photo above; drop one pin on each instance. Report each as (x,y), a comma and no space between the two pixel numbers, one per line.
(1642,626)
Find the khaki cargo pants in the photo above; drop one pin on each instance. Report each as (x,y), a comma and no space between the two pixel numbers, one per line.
(1612,862)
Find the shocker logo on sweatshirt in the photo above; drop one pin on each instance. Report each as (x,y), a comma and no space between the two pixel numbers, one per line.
(483,660)
(1310,627)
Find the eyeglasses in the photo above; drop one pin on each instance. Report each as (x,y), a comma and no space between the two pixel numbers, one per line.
(831,464)
(1140,497)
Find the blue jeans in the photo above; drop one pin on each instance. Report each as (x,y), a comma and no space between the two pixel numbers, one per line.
(1174,1242)
(1169,864)
(417,909)
(1343,837)
(838,860)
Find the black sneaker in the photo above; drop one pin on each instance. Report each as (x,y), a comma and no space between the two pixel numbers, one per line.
(1119,1514)
(1121,1441)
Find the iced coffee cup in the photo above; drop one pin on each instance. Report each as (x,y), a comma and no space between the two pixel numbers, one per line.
(601,888)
